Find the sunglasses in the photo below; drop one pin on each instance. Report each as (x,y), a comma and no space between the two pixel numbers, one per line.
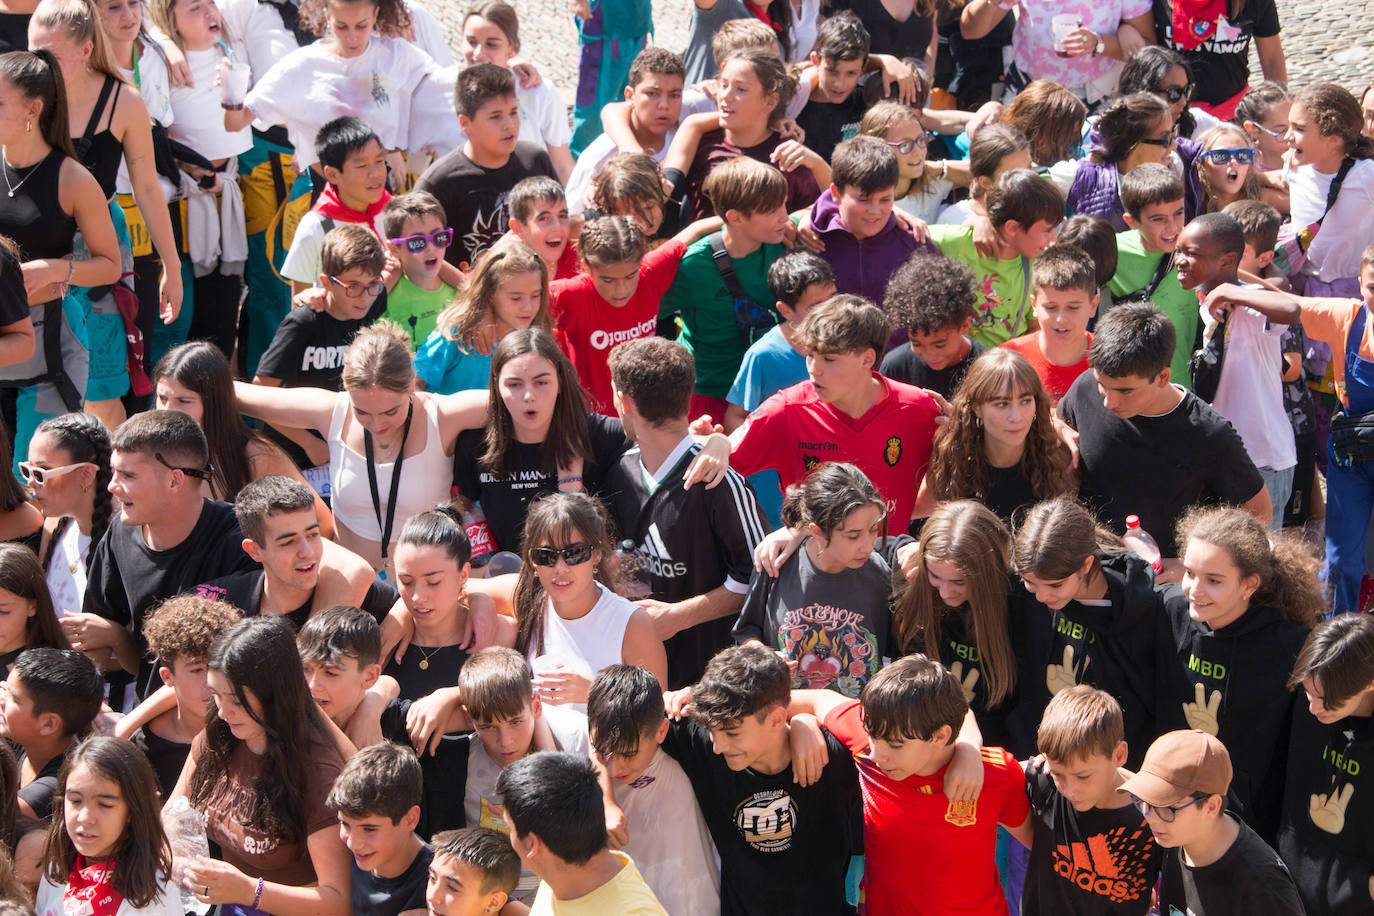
(1166,141)
(1276,134)
(905,146)
(1243,156)
(1165,813)
(1175,94)
(32,473)
(574,555)
(200,473)
(439,238)
(355,290)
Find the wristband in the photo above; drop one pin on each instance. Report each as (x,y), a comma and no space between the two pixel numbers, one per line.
(257,895)
(563,480)
(944,170)
(677,180)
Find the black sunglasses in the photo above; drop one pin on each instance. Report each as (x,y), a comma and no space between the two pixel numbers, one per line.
(201,473)
(1166,140)
(573,555)
(1176,94)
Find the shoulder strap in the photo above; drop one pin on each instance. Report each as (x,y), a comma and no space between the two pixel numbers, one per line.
(725,268)
(1346,165)
(1352,343)
(109,122)
(1162,269)
(99,108)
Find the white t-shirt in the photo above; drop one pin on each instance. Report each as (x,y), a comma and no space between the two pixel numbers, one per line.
(669,840)
(429,35)
(1250,392)
(543,113)
(587,644)
(199,117)
(67,571)
(302,262)
(155,88)
(1347,230)
(928,203)
(265,38)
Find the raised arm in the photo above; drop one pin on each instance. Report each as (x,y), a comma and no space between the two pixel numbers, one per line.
(1278,307)
(303,408)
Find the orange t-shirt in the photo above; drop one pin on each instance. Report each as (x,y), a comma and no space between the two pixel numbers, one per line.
(1329,321)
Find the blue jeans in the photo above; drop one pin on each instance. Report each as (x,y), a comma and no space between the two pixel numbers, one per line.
(1280,487)
(1349,500)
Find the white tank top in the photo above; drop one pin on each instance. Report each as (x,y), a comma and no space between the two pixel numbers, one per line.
(587,644)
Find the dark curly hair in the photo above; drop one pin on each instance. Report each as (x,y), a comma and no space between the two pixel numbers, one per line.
(930,292)
(393,19)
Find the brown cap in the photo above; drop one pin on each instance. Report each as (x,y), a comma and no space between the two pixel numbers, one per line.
(1179,766)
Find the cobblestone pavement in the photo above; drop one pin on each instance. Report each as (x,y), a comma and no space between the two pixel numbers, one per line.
(1323,40)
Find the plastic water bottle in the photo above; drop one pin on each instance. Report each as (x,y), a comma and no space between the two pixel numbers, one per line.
(479,535)
(634,578)
(185,828)
(1142,544)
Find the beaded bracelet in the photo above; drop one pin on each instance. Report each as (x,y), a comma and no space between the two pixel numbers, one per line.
(257,895)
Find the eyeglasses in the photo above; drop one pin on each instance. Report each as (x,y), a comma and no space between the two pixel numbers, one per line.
(200,473)
(1175,94)
(32,473)
(1166,141)
(1165,813)
(573,555)
(439,238)
(1276,134)
(905,146)
(356,290)
(1243,156)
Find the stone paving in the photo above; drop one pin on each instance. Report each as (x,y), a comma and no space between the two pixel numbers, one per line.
(1323,40)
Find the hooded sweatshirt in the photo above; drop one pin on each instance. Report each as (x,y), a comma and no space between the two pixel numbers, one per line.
(1241,674)
(1327,835)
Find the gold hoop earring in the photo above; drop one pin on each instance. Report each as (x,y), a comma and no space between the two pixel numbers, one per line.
(28,126)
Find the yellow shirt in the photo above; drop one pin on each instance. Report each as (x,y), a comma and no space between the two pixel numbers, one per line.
(624,895)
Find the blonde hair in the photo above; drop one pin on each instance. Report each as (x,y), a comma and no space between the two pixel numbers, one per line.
(80,20)
(471,310)
(379,357)
(1212,139)
(1079,723)
(881,119)
(164,17)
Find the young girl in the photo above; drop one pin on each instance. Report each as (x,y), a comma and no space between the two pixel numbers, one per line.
(508,290)
(1233,632)
(491,35)
(27,620)
(107,852)
(1226,167)
(570,622)
(1263,113)
(999,445)
(922,185)
(1090,611)
(996,149)
(261,772)
(432,570)
(68,472)
(1052,119)
(954,608)
(827,609)
(1133,130)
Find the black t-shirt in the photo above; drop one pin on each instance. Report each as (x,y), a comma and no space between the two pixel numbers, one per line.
(166,756)
(423,669)
(1248,879)
(14,303)
(1221,64)
(901,364)
(827,123)
(908,38)
(505,500)
(244,591)
(374,896)
(1156,467)
(1103,860)
(40,793)
(1009,492)
(474,198)
(783,849)
(445,773)
(7,660)
(308,349)
(127,577)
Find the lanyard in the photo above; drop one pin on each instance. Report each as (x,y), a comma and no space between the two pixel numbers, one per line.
(395,480)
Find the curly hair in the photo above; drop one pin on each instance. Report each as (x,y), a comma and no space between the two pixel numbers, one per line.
(1336,112)
(186,626)
(393,19)
(929,293)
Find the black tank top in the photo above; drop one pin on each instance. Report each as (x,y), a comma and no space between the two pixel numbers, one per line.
(31,213)
(14,31)
(101,152)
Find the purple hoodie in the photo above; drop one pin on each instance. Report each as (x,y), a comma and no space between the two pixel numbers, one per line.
(862,266)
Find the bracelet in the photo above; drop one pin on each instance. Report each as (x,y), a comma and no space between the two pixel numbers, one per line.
(257,895)
(71,269)
(563,480)
(944,170)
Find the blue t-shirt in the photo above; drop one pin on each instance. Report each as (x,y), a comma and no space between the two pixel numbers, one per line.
(445,366)
(769,366)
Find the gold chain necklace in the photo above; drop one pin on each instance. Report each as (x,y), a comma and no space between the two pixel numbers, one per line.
(425,657)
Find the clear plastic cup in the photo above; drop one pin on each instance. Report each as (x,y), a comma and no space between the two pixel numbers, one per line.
(234,84)
(1062,26)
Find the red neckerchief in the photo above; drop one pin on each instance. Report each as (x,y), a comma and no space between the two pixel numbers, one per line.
(89,882)
(331,207)
(1195,21)
(761,13)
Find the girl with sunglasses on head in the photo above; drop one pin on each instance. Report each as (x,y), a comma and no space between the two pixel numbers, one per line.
(1263,113)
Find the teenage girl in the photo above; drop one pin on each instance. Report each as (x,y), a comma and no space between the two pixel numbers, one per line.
(27,620)
(827,609)
(1234,629)
(1052,119)
(1263,113)
(1226,167)
(107,853)
(995,149)
(68,472)
(570,622)
(1133,130)
(508,290)
(922,184)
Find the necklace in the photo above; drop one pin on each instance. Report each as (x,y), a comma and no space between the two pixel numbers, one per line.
(426,656)
(8,167)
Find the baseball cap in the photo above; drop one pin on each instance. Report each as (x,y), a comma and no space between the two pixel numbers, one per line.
(1179,766)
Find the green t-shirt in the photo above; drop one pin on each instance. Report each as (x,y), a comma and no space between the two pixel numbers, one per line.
(1135,268)
(1003,310)
(417,309)
(709,328)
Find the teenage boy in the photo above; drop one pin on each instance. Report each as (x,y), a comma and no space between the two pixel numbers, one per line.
(169,537)
(557,826)
(51,698)
(836,102)
(697,544)
(354,166)
(473,873)
(1214,864)
(721,289)
(416,236)
(1249,391)
(1065,300)
(1326,832)
(1146,446)
(846,411)
(377,797)
(784,848)
(471,183)
(931,300)
(1091,852)
(863,240)
(539,216)
(627,724)
(1024,208)
(1152,195)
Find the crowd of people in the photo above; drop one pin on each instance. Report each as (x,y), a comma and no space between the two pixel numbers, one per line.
(893,458)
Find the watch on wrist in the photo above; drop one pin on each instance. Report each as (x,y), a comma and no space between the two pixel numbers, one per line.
(1101,45)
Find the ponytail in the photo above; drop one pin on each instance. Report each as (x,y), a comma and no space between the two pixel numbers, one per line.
(36,75)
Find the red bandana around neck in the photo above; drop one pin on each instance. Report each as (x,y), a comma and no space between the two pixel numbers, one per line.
(1195,21)
(89,889)
(331,207)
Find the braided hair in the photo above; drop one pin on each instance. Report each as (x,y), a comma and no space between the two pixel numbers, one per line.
(84,438)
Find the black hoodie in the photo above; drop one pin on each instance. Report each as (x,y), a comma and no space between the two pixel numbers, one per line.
(1245,666)
(1331,773)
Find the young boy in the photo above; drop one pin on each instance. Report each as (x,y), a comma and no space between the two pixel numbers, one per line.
(179,635)
(416,236)
(721,288)
(1261,224)
(1153,197)
(539,215)
(51,698)
(354,166)
(558,828)
(377,797)
(784,848)
(920,844)
(473,873)
(1091,852)
(471,183)
(836,103)
(1024,209)
(1065,301)
(625,716)
(932,301)
(1214,863)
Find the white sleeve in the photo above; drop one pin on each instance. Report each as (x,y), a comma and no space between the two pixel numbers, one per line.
(552,115)
(302,262)
(429,37)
